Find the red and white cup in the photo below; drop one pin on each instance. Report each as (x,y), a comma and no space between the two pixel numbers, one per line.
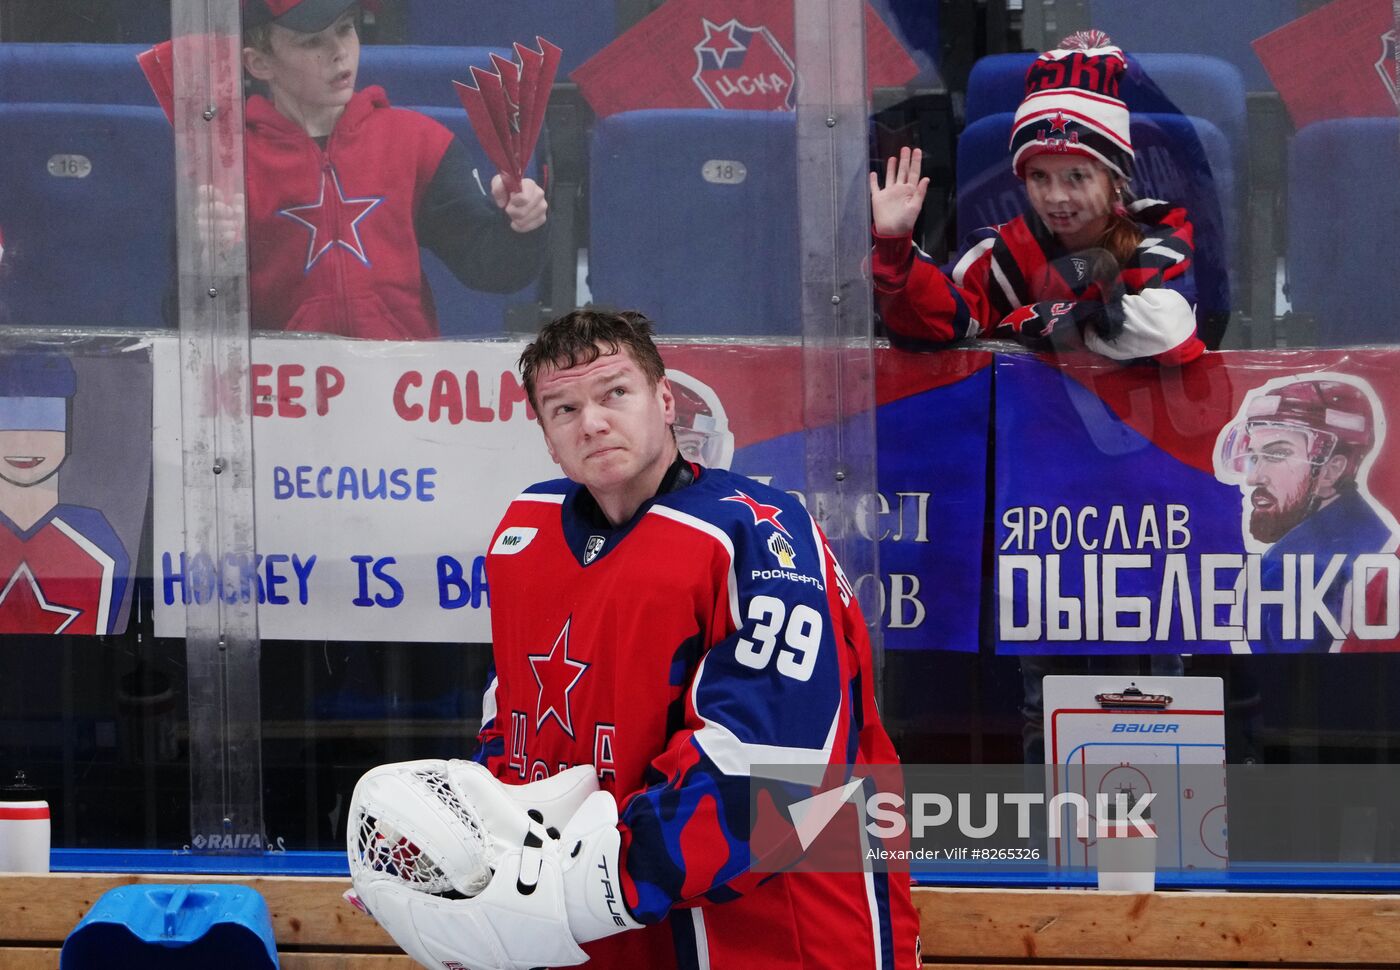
(24,836)
(1127,857)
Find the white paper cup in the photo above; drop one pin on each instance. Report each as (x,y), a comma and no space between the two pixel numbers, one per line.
(24,836)
(1127,859)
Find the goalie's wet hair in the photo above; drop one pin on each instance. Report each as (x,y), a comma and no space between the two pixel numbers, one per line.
(583,336)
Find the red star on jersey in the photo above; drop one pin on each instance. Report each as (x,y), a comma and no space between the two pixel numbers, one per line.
(1058,122)
(23,608)
(333,221)
(761,512)
(556,674)
(719,41)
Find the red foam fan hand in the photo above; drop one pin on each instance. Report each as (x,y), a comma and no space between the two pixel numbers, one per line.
(509,73)
(211,62)
(504,155)
(507,107)
(158,64)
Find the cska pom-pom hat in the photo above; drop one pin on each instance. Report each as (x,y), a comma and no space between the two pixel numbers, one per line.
(1072,105)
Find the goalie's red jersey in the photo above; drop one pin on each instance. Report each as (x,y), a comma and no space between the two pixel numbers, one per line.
(712,633)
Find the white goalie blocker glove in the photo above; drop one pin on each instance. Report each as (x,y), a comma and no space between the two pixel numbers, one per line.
(557,797)
(464,877)
(589,847)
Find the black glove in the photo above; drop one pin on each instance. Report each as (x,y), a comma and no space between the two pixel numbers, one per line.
(1051,321)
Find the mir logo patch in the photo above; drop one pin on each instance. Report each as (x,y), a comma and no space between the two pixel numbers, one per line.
(592,548)
(513,540)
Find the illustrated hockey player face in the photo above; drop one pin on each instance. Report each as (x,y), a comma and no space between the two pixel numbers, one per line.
(701,428)
(28,457)
(1072,194)
(309,73)
(1282,482)
(608,428)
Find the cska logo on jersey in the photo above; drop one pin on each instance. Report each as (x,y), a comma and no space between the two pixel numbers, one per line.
(557,674)
(1388,66)
(592,547)
(761,513)
(745,68)
(1081,267)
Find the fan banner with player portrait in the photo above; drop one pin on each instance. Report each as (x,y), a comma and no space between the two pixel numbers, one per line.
(74,483)
(934,487)
(381,471)
(1243,504)
(730,54)
(931,428)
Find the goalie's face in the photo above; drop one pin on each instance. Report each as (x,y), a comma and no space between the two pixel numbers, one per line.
(608,427)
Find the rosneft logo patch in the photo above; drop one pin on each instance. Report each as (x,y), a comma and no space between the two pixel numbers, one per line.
(782,550)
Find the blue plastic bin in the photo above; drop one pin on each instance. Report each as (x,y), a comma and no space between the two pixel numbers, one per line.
(159,927)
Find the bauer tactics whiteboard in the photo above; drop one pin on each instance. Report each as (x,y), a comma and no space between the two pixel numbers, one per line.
(1112,734)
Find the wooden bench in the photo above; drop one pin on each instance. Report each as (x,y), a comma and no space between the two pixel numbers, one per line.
(963,929)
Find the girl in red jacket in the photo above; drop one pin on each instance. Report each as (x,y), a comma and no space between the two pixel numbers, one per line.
(1087,266)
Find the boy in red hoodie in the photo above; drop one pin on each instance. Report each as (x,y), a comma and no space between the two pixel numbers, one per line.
(344,189)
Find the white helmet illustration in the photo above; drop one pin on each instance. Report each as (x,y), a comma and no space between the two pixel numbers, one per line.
(702,430)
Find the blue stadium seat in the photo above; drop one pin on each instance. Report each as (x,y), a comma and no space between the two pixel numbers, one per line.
(580,27)
(1343,207)
(462,311)
(694,220)
(418,75)
(1219,28)
(85,251)
(1180,159)
(73,74)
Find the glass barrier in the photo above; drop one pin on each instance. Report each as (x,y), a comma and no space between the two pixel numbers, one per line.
(1105,396)
(1196,490)
(303,612)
